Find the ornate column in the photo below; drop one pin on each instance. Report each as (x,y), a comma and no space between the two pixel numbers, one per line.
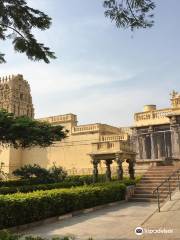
(144,155)
(108,169)
(119,168)
(175,136)
(131,168)
(136,143)
(152,143)
(152,147)
(159,145)
(95,169)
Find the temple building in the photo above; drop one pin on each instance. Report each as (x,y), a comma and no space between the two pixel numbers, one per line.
(153,138)
(156,133)
(78,152)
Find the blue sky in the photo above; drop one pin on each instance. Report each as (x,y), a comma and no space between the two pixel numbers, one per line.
(102,74)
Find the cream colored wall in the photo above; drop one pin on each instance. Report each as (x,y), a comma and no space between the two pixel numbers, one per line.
(70,153)
(11,159)
(4,158)
(15,159)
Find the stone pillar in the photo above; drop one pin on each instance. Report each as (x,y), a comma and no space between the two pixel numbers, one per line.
(119,168)
(136,143)
(159,146)
(131,168)
(152,147)
(139,148)
(95,170)
(168,144)
(175,141)
(144,155)
(108,169)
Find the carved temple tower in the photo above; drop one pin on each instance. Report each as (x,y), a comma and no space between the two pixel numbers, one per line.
(15,96)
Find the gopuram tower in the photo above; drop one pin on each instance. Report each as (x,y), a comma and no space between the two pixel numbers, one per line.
(15,96)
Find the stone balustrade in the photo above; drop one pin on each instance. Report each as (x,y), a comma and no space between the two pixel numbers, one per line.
(86,128)
(59,118)
(111,146)
(109,138)
(97,127)
(152,117)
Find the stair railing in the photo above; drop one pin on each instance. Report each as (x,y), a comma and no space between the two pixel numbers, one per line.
(167,181)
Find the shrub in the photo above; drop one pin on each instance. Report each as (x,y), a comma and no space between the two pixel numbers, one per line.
(76,179)
(71,181)
(22,208)
(57,174)
(35,187)
(31,171)
(5,235)
(43,175)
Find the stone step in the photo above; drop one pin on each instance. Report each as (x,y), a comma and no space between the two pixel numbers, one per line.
(133,199)
(145,189)
(144,195)
(155,178)
(162,170)
(153,186)
(156,175)
(149,191)
(156,182)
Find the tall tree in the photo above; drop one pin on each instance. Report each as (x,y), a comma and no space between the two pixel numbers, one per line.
(131,14)
(17,20)
(25,132)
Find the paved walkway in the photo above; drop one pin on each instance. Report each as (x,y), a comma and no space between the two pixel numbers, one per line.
(168,219)
(119,222)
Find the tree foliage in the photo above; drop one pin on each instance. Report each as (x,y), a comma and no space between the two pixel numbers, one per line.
(17,20)
(131,14)
(25,132)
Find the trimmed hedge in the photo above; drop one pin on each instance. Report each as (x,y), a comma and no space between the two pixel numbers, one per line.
(4,235)
(31,188)
(22,208)
(79,179)
(65,184)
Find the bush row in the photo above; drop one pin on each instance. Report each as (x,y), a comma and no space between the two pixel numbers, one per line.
(5,235)
(35,187)
(22,208)
(79,179)
(75,179)
(65,184)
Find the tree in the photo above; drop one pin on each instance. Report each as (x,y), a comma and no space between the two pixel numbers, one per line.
(131,14)
(17,20)
(25,132)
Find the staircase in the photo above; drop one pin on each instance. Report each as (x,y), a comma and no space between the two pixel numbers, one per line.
(151,180)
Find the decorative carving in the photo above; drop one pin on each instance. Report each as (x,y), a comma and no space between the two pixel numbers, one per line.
(108,169)
(95,169)
(120,167)
(131,168)
(15,96)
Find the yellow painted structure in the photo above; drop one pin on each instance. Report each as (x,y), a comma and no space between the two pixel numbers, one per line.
(72,153)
